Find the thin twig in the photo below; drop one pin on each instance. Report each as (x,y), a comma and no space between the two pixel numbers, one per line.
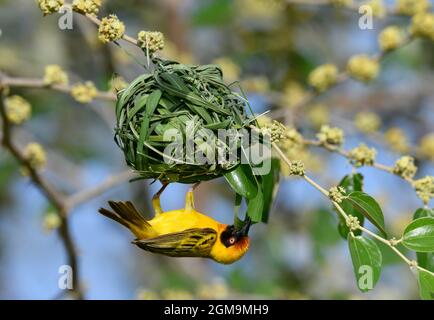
(7,81)
(91,193)
(97,22)
(52,195)
(387,242)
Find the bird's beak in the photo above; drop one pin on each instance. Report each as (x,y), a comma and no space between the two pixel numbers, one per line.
(244,231)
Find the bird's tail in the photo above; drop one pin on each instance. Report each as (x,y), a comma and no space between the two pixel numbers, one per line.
(126,214)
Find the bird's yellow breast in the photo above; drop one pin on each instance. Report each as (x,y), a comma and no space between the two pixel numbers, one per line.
(180,220)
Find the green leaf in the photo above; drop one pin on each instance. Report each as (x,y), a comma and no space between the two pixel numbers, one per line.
(419,235)
(217,12)
(152,102)
(423,213)
(255,207)
(351,183)
(426,285)
(425,259)
(367,261)
(242,181)
(269,186)
(368,206)
(237,221)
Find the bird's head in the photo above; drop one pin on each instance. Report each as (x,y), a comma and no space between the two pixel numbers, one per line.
(231,244)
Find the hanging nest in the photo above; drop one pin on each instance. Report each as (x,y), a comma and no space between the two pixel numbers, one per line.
(171,97)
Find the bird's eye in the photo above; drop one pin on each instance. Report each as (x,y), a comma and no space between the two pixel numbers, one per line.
(232,240)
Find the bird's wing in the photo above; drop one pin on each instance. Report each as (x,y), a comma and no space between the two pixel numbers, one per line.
(196,242)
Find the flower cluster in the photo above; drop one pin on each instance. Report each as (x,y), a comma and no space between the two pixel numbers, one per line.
(292,139)
(86,6)
(111,29)
(293,94)
(152,41)
(390,38)
(337,194)
(330,135)
(276,130)
(412,7)
(35,155)
(318,115)
(296,168)
(117,84)
(377,7)
(84,92)
(363,68)
(258,84)
(353,223)
(426,146)
(231,71)
(367,122)
(50,6)
(405,167)
(425,188)
(362,156)
(51,221)
(323,77)
(17,109)
(54,75)
(422,25)
(397,140)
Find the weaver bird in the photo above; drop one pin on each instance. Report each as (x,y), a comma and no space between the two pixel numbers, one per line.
(182,233)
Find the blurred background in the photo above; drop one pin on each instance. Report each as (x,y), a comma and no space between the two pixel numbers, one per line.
(271,46)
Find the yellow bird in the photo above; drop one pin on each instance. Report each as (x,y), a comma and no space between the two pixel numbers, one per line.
(182,233)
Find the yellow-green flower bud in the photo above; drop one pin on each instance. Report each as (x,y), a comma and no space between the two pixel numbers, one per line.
(152,41)
(54,75)
(353,223)
(323,77)
(397,140)
(337,194)
(17,109)
(330,135)
(367,122)
(426,146)
(297,168)
(84,92)
(176,294)
(378,8)
(231,71)
(293,94)
(50,6)
(111,29)
(412,7)
(51,221)
(425,188)
(405,167)
(362,156)
(145,294)
(257,84)
(422,25)
(86,6)
(390,38)
(117,84)
(318,115)
(35,155)
(363,68)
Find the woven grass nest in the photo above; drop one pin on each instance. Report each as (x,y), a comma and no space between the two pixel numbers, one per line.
(168,98)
